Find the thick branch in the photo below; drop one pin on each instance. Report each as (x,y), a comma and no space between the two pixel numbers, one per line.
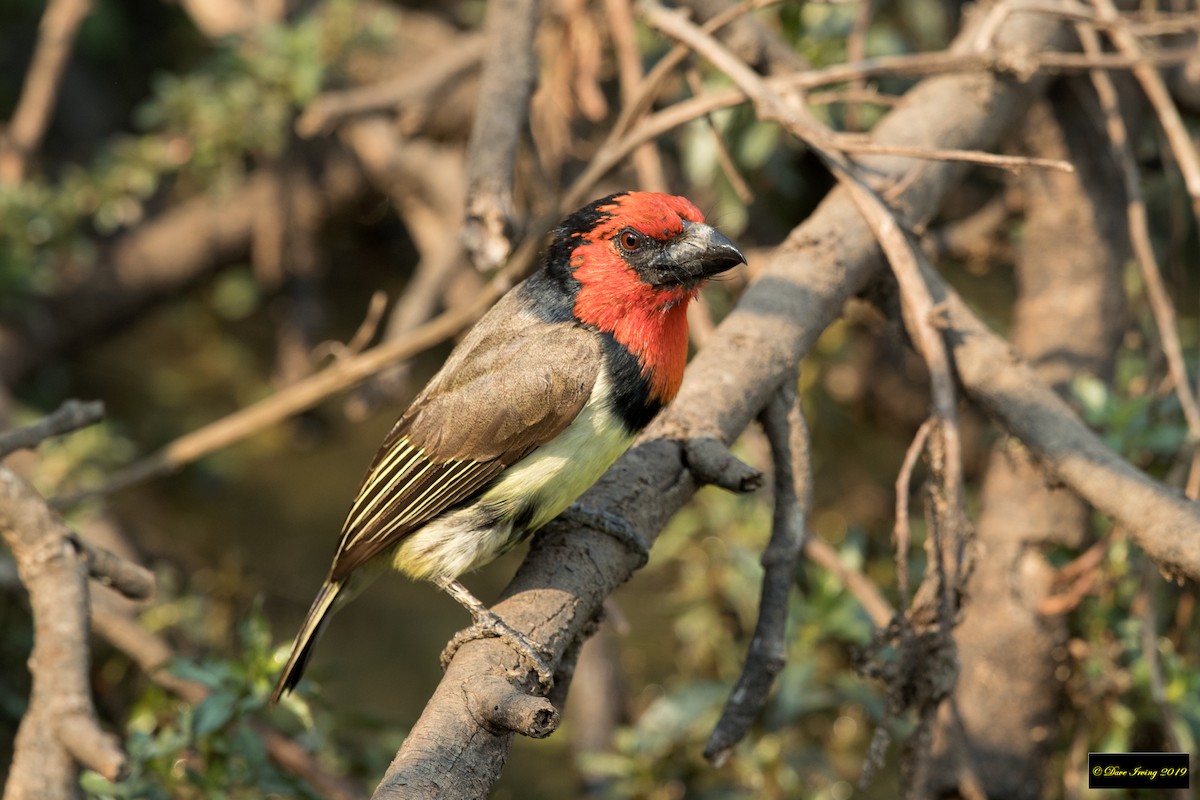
(1159,519)
(58,732)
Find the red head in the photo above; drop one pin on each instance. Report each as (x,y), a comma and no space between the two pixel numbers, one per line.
(638,258)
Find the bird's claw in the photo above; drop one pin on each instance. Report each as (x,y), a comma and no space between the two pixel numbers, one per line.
(490,626)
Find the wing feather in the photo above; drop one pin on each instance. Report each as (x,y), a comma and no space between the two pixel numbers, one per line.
(513,384)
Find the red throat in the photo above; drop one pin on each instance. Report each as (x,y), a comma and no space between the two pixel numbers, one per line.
(651,323)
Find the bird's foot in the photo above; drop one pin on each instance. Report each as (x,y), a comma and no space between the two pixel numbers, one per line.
(489,626)
(492,627)
(612,524)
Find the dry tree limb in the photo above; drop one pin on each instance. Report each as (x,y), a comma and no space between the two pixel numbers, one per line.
(712,463)
(1137,219)
(797,293)
(19,140)
(332,108)
(59,732)
(70,416)
(1161,521)
(1156,92)
(509,72)
(785,427)
(1068,319)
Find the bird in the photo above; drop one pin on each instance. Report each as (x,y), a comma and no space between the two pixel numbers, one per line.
(531,407)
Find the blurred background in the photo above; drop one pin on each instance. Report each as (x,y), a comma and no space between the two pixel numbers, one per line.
(216,211)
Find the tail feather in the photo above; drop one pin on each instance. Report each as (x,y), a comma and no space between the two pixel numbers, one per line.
(314,624)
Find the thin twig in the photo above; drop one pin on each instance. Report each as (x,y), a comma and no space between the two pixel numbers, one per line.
(724,159)
(1155,87)
(869,597)
(1011,163)
(362,337)
(70,416)
(109,569)
(856,50)
(622,142)
(636,106)
(901,533)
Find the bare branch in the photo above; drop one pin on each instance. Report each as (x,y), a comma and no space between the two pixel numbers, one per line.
(785,427)
(509,72)
(1139,236)
(70,416)
(109,569)
(56,35)
(331,108)
(1161,521)
(901,532)
(58,732)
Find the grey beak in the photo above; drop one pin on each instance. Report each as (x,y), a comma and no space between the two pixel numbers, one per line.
(701,252)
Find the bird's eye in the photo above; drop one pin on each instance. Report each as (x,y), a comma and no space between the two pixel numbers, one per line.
(631,239)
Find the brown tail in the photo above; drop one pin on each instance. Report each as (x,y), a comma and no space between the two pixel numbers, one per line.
(306,639)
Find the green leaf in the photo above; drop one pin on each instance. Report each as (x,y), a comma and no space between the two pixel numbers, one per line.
(213,713)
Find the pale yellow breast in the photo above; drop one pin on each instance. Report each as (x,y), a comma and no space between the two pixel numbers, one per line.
(563,468)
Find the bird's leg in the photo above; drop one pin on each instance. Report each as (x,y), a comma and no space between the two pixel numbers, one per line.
(612,524)
(489,625)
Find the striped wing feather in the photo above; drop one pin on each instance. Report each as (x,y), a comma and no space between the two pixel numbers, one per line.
(513,384)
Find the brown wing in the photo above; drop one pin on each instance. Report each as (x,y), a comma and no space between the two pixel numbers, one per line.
(514,383)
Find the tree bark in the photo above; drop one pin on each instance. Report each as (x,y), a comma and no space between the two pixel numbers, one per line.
(1069,317)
